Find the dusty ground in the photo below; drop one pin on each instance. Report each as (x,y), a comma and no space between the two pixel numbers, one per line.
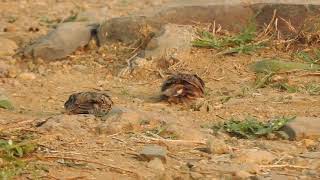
(92,154)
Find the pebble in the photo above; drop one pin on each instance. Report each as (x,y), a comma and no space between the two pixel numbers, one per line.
(242,175)
(151,152)
(156,164)
(80,68)
(254,156)
(27,76)
(195,175)
(217,146)
(7,47)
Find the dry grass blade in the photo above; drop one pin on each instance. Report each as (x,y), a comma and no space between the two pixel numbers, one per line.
(118,169)
(173,140)
(284,166)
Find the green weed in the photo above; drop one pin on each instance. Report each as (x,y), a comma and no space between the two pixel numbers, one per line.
(312,89)
(6,104)
(263,80)
(251,127)
(12,155)
(163,131)
(286,87)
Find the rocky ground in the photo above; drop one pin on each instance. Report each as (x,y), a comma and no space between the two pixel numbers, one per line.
(142,138)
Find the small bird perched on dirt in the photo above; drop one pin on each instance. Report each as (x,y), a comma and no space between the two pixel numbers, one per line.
(95,103)
(181,88)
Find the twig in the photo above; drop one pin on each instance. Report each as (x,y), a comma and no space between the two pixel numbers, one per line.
(173,140)
(284,166)
(289,25)
(76,178)
(220,117)
(94,162)
(311,74)
(120,140)
(266,31)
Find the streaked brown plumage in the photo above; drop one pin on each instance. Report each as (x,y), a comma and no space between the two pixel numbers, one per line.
(95,103)
(181,88)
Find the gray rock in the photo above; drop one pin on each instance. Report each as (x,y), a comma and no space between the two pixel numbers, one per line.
(303,127)
(175,40)
(7,47)
(61,42)
(128,29)
(151,152)
(205,11)
(234,14)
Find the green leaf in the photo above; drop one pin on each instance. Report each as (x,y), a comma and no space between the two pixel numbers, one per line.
(6,104)
(252,128)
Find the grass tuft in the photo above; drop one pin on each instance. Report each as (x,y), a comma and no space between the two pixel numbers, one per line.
(312,57)
(243,43)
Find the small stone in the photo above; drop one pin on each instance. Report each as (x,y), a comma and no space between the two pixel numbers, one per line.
(254,156)
(311,155)
(7,47)
(309,143)
(217,146)
(80,68)
(153,151)
(4,70)
(195,175)
(303,127)
(156,164)
(12,72)
(242,175)
(10,28)
(27,76)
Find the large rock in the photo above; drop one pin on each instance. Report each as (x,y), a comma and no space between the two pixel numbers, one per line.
(128,29)
(61,42)
(303,127)
(7,47)
(231,16)
(175,39)
(68,125)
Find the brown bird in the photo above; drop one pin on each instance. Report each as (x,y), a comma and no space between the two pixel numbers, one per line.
(95,103)
(181,88)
